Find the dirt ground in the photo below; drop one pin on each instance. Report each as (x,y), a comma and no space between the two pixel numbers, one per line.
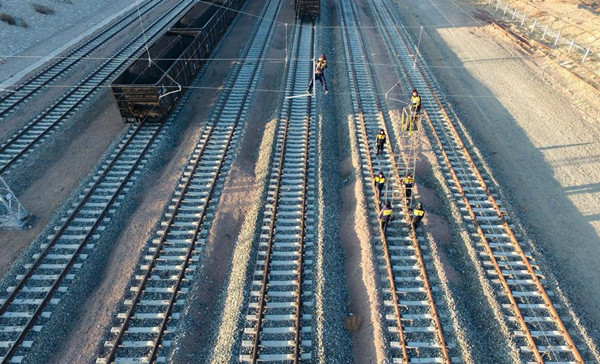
(50,181)
(537,126)
(101,304)
(45,181)
(239,195)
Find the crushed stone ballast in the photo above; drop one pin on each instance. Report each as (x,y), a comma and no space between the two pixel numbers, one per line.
(279,315)
(14,97)
(147,324)
(414,328)
(38,129)
(539,327)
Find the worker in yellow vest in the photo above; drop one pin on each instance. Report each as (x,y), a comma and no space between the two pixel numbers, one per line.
(379,181)
(415,110)
(380,141)
(408,182)
(385,216)
(319,74)
(418,214)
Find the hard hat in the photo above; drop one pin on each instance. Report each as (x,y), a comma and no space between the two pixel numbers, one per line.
(419,205)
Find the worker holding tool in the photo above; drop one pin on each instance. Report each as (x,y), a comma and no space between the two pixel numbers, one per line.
(415,110)
(319,74)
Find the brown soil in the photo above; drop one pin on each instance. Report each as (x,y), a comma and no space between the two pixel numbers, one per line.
(101,304)
(57,172)
(538,128)
(240,193)
(55,176)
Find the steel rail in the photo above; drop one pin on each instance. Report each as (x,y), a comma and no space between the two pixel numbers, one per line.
(20,94)
(170,223)
(38,311)
(102,178)
(12,149)
(500,215)
(254,355)
(413,236)
(246,75)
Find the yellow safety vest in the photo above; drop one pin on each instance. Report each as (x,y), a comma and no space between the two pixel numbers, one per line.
(418,212)
(379,180)
(381,136)
(387,212)
(409,180)
(321,65)
(416,101)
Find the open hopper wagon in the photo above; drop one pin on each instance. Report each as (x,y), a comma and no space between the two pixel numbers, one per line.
(149,88)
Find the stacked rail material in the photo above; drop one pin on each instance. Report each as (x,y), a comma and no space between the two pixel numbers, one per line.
(307,8)
(149,88)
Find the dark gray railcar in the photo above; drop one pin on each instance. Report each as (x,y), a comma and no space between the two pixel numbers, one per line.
(147,90)
(307,8)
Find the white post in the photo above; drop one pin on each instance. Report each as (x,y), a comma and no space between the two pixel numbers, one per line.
(545,31)
(523,20)
(505,8)
(557,38)
(514,14)
(571,46)
(585,55)
(534,24)
(497,4)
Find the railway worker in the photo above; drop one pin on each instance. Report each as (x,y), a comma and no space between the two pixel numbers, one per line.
(415,102)
(319,74)
(418,214)
(380,141)
(379,182)
(408,182)
(415,109)
(385,216)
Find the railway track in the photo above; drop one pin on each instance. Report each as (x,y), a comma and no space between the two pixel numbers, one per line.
(37,288)
(414,327)
(152,308)
(278,323)
(524,296)
(28,303)
(18,96)
(43,125)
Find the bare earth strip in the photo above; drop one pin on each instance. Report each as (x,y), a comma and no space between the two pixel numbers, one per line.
(538,128)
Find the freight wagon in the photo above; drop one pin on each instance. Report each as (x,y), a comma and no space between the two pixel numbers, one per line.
(307,8)
(148,89)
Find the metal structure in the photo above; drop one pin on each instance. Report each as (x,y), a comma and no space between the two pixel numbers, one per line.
(13,215)
(279,321)
(39,128)
(161,280)
(537,326)
(149,88)
(416,334)
(307,8)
